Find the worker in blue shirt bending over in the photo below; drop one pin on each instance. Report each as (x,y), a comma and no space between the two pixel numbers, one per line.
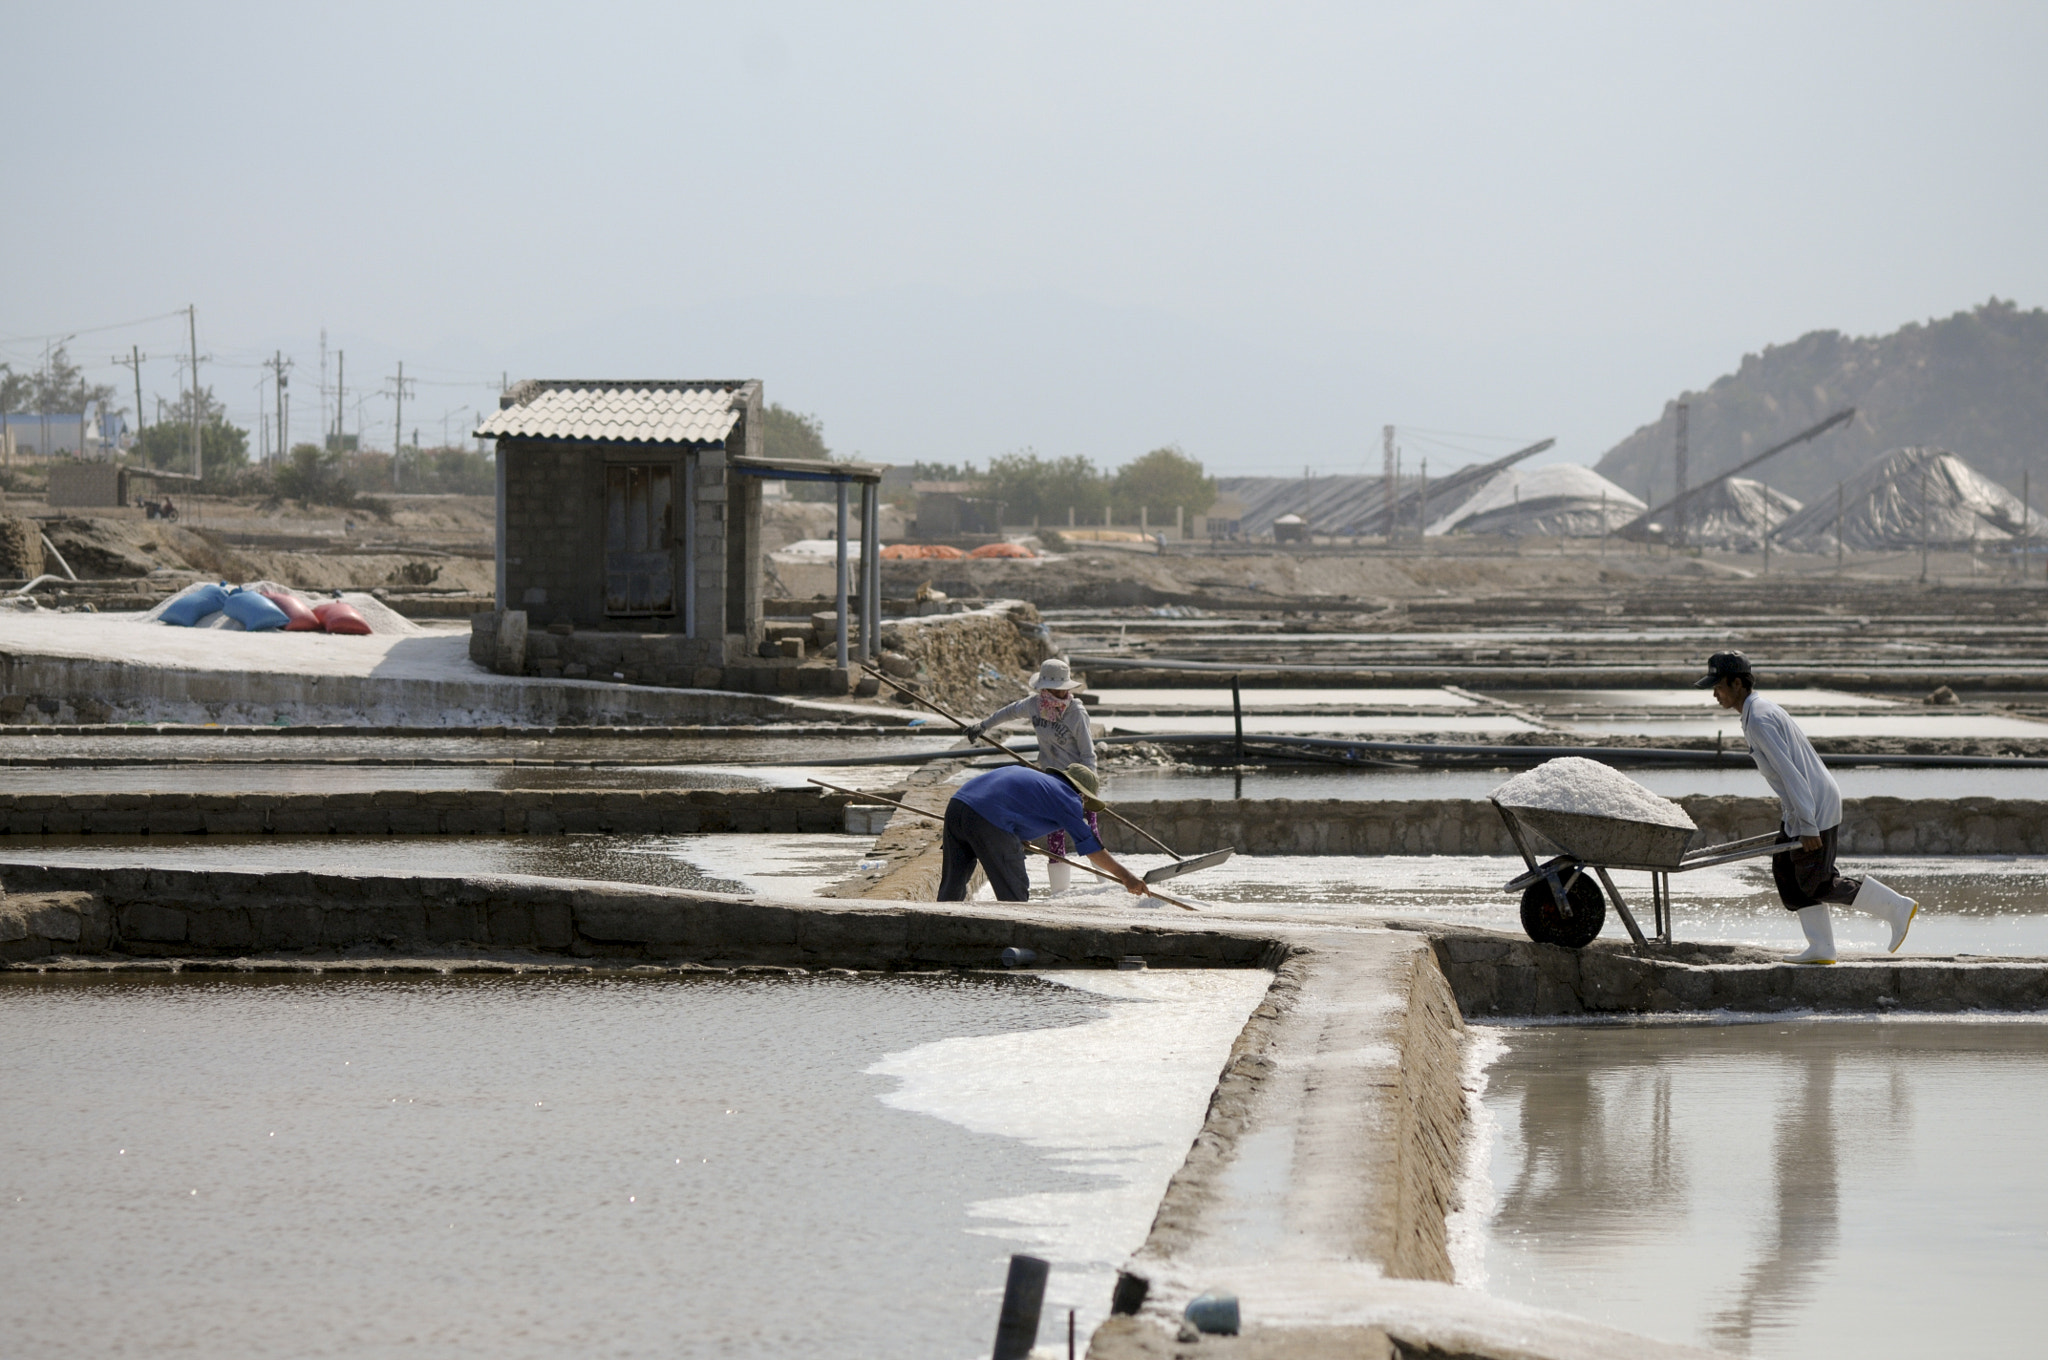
(992,815)
(1811,804)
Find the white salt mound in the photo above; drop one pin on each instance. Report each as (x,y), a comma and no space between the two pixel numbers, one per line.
(1575,784)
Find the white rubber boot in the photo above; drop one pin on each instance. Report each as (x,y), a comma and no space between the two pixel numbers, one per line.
(1058,877)
(1894,909)
(1820,936)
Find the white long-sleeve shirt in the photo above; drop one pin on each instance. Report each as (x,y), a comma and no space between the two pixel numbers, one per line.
(1811,799)
(1060,744)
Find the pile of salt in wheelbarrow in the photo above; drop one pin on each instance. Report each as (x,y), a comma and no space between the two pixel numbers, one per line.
(1601,820)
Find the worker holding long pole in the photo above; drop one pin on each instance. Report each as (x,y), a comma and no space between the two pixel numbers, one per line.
(1061,723)
(992,815)
(1811,813)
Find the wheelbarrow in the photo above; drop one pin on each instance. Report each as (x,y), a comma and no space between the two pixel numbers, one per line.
(1562,898)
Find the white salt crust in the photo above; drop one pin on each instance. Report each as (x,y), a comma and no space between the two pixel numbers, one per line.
(1576,784)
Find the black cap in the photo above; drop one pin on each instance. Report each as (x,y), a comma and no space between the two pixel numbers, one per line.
(1724,666)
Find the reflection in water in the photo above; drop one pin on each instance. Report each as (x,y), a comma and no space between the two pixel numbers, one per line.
(1579,1125)
(1800,1237)
(1790,1188)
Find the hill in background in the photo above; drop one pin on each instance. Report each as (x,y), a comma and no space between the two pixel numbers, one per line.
(1975,383)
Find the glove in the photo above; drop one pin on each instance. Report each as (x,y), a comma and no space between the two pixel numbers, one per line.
(975,731)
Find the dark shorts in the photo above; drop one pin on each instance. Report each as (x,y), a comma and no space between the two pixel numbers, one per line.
(1807,878)
(972,839)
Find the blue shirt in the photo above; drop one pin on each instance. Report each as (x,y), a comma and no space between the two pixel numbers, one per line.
(1029,803)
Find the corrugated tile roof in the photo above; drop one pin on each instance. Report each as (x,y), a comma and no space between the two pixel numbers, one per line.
(625,412)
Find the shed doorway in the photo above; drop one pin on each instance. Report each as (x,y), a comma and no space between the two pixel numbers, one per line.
(639,540)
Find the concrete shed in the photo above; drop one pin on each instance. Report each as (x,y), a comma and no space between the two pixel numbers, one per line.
(635,506)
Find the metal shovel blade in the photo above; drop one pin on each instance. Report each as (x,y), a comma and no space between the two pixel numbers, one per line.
(1188,866)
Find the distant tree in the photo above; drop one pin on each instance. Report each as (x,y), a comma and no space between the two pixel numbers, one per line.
(60,385)
(787,434)
(1030,488)
(451,471)
(168,443)
(1161,481)
(14,390)
(313,476)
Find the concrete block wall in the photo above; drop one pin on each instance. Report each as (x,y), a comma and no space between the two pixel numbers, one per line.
(665,659)
(1494,973)
(554,529)
(1455,826)
(192,913)
(439,812)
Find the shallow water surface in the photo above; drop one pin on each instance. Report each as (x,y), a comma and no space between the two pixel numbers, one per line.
(547,1167)
(1967,906)
(1134,785)
(278,777)
(784,865)
(1811,1188)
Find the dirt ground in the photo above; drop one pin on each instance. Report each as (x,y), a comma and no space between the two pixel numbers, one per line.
(1376,578)
(430,543)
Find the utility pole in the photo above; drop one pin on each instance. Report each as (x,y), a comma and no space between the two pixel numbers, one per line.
(1387,453)
(192,333)
(322,426)
(1767,525)
(1678,491)
(134,364)
(398,423)
(2025,531)
(277,366)
(1838,528)
(1923,524)
(340,391)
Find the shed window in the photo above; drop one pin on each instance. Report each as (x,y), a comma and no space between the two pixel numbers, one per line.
(639,539)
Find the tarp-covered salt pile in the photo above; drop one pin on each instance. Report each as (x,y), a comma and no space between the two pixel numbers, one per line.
(1733,513)
(1559,500)
(1908,497)
(267,606)
(1356,505)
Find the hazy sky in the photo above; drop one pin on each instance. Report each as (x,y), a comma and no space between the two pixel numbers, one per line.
(1260,232)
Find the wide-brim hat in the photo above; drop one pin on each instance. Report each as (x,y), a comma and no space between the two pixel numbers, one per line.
(1054,674)
(1724,666)
(1086,784)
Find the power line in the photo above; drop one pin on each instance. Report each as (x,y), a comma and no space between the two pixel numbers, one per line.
(86,330)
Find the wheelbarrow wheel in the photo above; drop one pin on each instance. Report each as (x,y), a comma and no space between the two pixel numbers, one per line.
(1547,925)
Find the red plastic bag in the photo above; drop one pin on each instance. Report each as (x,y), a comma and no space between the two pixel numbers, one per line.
(338,617)
(298,618)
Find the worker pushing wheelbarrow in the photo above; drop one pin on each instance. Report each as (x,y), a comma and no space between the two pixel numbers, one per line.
(1601,820)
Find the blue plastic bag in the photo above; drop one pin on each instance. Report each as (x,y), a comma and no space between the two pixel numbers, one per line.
(253,612)
(189,609)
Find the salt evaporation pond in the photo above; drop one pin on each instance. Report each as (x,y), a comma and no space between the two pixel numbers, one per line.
(24,743)
(1741,779)
(1803,1188)
(1928,725)
(783,865)
(1969,905)
(269,777)
(572,1167)
(1983,905)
